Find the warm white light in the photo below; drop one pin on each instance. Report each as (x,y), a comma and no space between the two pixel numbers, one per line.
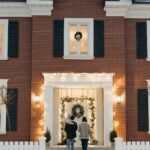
(37,99)
(118,99)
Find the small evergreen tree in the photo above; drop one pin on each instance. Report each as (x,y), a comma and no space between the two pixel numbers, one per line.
(47,135)
(113,135)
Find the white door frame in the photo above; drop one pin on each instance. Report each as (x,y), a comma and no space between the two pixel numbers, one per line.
(103,80)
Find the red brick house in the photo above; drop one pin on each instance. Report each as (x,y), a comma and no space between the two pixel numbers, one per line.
(50,50)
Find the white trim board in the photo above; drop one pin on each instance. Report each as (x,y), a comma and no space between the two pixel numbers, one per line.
(102,80)
(28,9)
(148,40)
(126,9)
(148,87)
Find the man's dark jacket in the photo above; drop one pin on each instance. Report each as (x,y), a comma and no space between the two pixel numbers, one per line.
(71,128)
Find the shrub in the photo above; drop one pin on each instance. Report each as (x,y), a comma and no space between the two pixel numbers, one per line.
(47,135)
(113,135)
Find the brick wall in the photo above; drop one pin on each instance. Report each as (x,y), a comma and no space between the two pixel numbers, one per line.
(137,72)
(43,61)
(18,71)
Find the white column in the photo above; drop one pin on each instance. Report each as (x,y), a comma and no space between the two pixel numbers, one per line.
(108,112)
(99,116)
(148,41)
(148,86)
(3,119)
(49,109)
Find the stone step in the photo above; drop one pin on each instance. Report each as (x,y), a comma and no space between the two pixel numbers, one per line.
(79,148)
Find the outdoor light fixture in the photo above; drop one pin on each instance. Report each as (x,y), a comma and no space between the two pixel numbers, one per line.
(118,99)
(37,99)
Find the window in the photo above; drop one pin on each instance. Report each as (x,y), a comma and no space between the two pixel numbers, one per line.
(3,94)
(3,39)
(78,38)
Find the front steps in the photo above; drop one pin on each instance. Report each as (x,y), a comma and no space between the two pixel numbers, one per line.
(91,147)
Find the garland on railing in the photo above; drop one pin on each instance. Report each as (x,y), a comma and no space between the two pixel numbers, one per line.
(92,117)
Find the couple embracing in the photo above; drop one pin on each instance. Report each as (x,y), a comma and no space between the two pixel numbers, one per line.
(71,128)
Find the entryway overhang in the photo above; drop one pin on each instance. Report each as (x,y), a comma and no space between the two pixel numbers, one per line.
(103,80)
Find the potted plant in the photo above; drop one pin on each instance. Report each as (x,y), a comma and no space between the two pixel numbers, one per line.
(112,136)
(47,135)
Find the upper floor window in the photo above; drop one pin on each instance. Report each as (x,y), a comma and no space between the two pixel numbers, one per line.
(9,39)
(3,38)
(78,37)
(143,40)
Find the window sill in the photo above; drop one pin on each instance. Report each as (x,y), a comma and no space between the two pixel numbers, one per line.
(2,132)
(78,57)
(3,58)
(147,59)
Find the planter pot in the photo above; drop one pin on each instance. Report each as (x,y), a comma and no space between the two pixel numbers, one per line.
(112,144)
(48,144)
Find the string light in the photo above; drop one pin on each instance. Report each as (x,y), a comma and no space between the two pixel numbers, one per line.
(92,116)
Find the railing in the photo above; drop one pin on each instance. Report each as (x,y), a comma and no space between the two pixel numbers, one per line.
(23,145)
(120,145)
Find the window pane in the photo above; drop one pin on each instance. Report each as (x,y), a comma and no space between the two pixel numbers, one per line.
(73,41)
(1,38)
(84,40)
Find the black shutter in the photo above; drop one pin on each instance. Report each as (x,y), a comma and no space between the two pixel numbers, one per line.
(13,39)
(142,110)
(11,119)
(58,43)
(99,38)
(141,39)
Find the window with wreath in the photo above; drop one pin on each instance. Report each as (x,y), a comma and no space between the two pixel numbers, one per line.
(78,38)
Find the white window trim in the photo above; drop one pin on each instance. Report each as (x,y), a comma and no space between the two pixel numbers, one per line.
(148,87)
(5,50)
(148,41)
(3,82)
(126,9)
(89,22)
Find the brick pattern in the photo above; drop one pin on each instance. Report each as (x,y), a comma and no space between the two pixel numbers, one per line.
(43,60)
(137,72)
(18,71)
(120,58)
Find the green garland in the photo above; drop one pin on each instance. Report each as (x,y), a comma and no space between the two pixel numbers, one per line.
(92,117)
